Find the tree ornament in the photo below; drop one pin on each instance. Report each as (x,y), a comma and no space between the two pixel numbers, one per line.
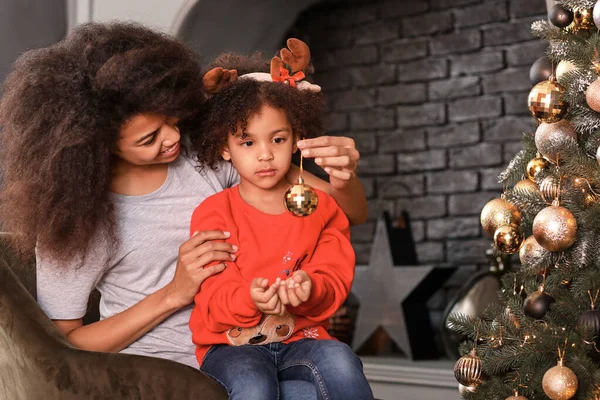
(467,369)
(534,166)
(592,95)
(583,21)
(555,228)
(545,101)
(560,382)
(560,16)
(499,212)
(537,304)
(562,68)
(531,251)
(301,199)
(462,389)
(588,322)
(596,14)
(508,238)
(598,155)
(516,397)
(527,186)
(540,70)
(549,188)
(549,136)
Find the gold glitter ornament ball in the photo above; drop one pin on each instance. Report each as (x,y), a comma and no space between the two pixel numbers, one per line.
(548,137)
(531,251)
(545,101)
(555,228)
(467,370)
(301,199)
(534,166)
(592,95)
(560,382)
(508,239)
(499,212)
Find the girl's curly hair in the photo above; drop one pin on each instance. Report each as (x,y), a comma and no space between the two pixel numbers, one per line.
(229,109)
(60,119)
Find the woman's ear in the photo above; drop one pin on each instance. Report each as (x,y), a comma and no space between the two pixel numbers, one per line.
(225,153)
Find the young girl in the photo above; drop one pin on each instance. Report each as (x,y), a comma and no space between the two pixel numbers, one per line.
(257,322)
(94,172)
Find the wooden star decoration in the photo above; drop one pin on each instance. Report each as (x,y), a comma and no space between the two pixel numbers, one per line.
(384,292)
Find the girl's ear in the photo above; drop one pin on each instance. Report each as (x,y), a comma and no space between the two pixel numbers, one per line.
(225,153)
(295,148)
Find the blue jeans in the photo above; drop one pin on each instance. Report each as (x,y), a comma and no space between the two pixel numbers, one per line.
(254,372)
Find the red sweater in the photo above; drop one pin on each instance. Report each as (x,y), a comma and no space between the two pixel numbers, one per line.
(272,246)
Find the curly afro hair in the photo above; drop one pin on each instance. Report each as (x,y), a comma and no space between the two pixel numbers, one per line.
(60,119)
(231,108)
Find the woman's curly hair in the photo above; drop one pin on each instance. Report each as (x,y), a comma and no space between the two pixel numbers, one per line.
(226,111)
(60,119)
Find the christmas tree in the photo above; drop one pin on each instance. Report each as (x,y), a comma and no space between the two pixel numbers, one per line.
(543,341)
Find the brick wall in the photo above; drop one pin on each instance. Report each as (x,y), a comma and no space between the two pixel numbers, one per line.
(434,93)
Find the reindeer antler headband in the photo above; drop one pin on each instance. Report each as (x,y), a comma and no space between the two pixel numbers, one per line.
(288,68)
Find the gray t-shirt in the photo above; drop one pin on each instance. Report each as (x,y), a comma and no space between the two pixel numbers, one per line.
(150,230)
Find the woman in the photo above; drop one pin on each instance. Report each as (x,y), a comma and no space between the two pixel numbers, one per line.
(97,178)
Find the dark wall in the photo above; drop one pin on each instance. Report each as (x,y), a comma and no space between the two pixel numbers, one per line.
(435,95)
(28,24)
(434,92)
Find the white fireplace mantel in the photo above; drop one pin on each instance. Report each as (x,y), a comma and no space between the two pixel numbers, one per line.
(396,378)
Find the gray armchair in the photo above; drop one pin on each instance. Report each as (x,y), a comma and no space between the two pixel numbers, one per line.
(37,362)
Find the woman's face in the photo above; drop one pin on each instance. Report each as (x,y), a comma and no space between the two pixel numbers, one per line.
(149,139)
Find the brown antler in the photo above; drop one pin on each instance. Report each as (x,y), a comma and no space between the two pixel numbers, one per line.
(276,64)
(218,78)
(298,55)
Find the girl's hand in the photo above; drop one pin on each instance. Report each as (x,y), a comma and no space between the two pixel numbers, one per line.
(337,155)
(265,297)
(296,289)
(200,250)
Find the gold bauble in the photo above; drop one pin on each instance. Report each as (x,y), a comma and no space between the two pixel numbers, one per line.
(548,136)
(545,101)
(526,185)
(462,389)
(301,199)
(583,21)
(508,239)
(534,166)
(555,228)
(531,251)
(560,382)
(516,397)
(562,68)
(499,212)
(592,95)
(549,188)
(467,370)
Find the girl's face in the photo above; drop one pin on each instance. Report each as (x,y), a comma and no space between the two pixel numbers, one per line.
(264,155)
(149,139)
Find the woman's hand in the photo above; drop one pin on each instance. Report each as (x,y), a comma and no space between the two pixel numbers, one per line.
(337,155)
(201,249)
